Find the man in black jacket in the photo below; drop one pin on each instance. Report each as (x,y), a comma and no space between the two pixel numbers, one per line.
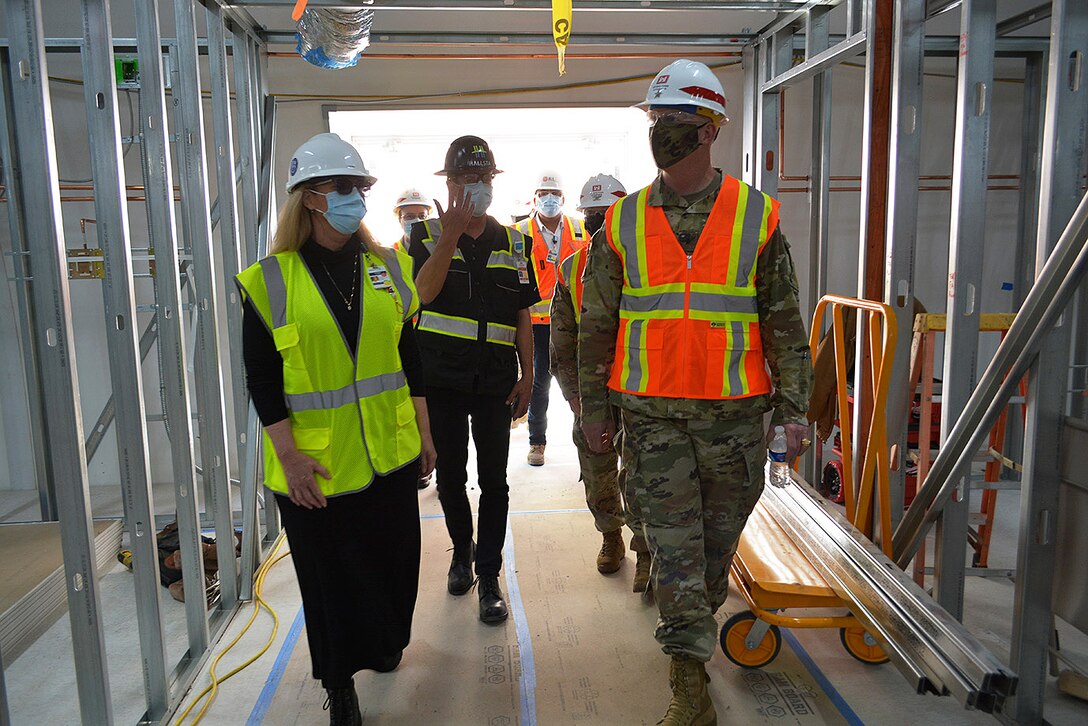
(474,330)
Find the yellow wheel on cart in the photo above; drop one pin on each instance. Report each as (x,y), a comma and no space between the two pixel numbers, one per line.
(735,631)
(863,646)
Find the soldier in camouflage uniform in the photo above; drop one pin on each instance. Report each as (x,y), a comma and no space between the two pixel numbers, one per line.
(695,464)
(604,485)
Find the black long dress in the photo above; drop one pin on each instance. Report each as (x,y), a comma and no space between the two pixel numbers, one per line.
(357,560)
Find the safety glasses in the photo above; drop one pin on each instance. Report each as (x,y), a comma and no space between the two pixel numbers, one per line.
(472,178)
(674,117)
(344,184)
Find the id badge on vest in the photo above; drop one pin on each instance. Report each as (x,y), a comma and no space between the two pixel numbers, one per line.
(379,277)
(553,256)
(523,271)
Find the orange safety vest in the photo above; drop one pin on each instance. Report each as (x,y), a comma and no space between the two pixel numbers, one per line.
(574,237)
(704,304)
(570,277)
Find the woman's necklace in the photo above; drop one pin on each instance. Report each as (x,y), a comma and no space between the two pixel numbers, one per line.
(349,301)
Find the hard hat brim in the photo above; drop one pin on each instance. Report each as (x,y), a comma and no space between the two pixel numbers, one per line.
(448,172)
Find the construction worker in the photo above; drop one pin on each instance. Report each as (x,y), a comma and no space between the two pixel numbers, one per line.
(604,486)
(335,376)
(691,325)
(411,207)
(555,236)
(476,286)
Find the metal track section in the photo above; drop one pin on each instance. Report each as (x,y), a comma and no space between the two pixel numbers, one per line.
(930,648)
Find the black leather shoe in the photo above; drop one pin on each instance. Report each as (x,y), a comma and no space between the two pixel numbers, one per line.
(389,664)
(460,578)
(343,707)
(493,608)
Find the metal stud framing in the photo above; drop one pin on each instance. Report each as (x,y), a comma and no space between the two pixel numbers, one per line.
(107,170)
(159,182)
(209,375)
(39,263)
(974,89)
(908,60)
(36,166)
(1061,172)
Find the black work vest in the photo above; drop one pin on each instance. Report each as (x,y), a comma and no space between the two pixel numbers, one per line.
(466,334)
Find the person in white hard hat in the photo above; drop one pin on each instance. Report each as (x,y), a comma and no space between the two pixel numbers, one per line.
(606,494)
(691,325)
(411,207)
(325,315)
(555,236)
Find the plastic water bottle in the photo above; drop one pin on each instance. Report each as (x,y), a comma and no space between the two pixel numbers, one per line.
(780,468)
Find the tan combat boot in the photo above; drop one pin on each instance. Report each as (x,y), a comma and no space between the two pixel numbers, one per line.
(610,557)
(691,704)
(536,455)
(642,572)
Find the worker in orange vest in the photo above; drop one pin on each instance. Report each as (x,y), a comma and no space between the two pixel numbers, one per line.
(555,237)
(691,325)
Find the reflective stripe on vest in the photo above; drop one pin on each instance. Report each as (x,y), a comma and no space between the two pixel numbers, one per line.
(574,237)
(570,275)
(689,325)
(350,410)
(466,328)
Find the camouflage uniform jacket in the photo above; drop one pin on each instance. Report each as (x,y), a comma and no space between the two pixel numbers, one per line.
(563,353)
(782,328)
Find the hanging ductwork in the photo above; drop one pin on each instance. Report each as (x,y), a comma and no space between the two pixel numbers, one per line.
(334,38)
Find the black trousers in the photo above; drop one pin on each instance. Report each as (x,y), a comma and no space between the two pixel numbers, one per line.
(451,413)
(542,384)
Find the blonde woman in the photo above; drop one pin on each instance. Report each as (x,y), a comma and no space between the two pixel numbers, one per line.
(335,375)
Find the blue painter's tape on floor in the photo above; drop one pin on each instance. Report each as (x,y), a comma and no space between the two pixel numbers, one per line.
(814,670)
(527,681)
(256,717)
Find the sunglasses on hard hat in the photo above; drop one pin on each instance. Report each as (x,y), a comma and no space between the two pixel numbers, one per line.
(344,184)
(674,117)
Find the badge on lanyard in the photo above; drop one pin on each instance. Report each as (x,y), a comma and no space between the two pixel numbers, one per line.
(523,271)
(553,251)
(379,277)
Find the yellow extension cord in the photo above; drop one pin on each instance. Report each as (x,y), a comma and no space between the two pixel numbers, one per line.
(258,586)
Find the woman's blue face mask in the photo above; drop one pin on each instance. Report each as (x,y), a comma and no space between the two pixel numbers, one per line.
(344,212)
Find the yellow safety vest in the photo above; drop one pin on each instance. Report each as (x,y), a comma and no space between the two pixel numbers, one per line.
(350,410)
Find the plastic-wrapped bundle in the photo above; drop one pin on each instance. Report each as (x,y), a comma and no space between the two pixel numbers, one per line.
(334,38)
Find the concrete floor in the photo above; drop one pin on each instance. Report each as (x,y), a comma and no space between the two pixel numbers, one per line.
(578,649)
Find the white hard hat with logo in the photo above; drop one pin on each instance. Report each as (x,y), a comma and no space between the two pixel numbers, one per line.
(600,191)
(411,197)
(688,83)
(549,181)
(325,155)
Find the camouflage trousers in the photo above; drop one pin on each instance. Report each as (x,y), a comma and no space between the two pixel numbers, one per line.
(607,493)
(696,482)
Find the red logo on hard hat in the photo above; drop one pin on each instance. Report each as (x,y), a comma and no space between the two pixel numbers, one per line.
(662,79)
(700,92)
(596,187)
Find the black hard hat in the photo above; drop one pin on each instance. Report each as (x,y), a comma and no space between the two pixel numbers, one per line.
(468,154)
